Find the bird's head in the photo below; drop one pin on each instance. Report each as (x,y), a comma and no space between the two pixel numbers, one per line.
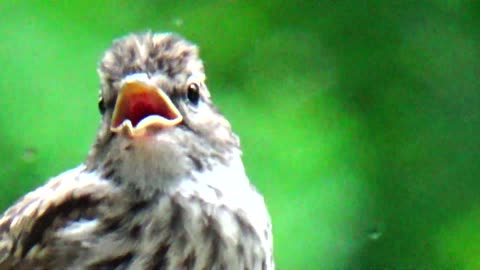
(153,97)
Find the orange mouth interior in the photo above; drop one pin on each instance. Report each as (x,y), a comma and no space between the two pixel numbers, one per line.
(140,106)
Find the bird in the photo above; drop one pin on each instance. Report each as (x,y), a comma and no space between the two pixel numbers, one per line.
(163,185)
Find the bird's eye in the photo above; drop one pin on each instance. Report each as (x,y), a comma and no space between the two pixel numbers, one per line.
(101,105)
(193,93)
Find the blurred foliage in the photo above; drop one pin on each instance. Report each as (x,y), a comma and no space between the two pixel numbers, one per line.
(359,119)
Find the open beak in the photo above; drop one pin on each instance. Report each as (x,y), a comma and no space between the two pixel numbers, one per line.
(141,105)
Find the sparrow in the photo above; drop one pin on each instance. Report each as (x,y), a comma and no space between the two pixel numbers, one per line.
(163,185)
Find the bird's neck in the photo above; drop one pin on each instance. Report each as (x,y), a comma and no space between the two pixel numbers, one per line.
(149,166)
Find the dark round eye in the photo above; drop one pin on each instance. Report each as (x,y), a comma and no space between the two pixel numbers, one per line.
(101,105)
(193,93)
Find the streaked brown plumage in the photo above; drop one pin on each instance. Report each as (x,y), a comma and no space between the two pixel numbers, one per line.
(163,186)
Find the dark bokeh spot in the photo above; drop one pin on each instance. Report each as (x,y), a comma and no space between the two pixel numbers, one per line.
(29,154)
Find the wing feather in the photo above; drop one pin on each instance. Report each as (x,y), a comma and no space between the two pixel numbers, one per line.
(69,198)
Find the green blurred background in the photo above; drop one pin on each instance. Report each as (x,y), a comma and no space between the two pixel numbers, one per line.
(359,119)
